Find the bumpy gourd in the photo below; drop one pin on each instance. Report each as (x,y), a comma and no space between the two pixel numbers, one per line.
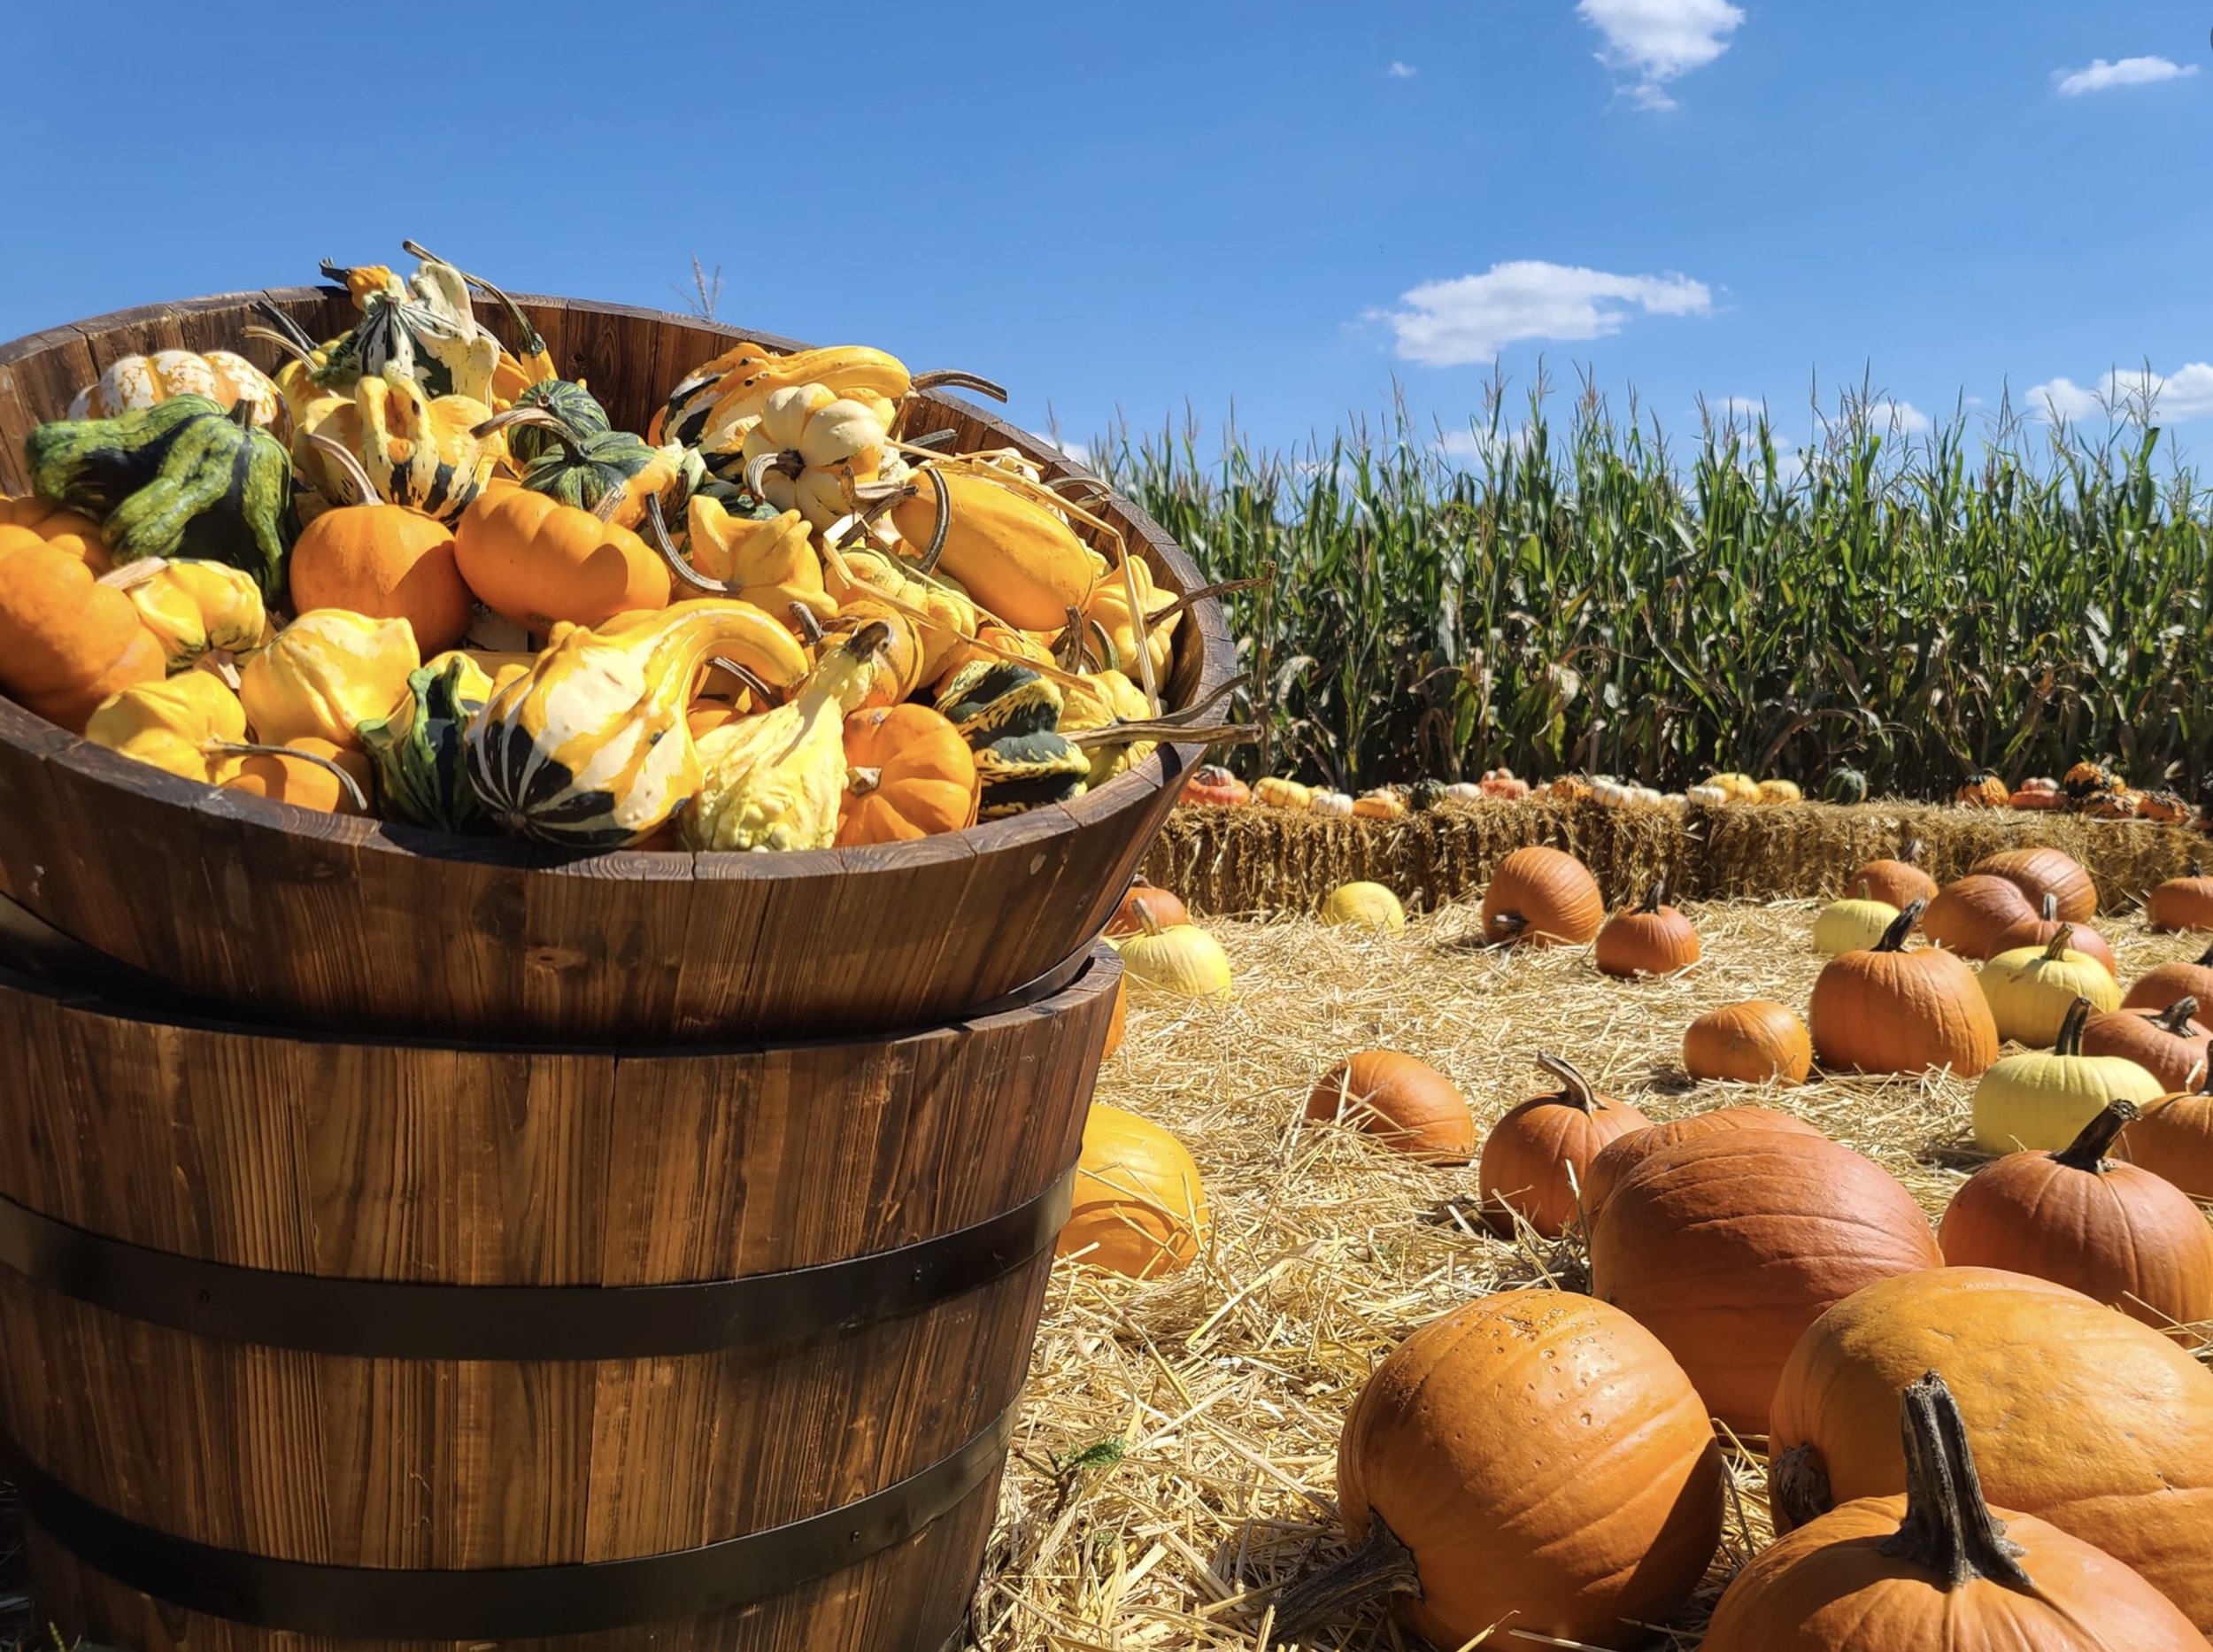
(181,479)
(420,750)
(196,608)
(590,748)
(568,401)
(1102,702)
(1011,717)
(425,325)
(66,642)
(422,453)
(714,398)
(326,674)
(1109,608)
(135,382)
(183,726)
(810,449)
(58,526)
(609,473)
(767,559)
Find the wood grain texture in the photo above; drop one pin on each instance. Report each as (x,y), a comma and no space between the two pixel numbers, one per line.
(394,1160)
(321,920)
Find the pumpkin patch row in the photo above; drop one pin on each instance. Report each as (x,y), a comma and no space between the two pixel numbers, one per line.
(418,574)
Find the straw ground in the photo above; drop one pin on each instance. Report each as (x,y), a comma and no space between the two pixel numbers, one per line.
(1176,1457)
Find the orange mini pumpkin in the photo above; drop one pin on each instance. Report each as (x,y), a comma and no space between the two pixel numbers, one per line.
(1755,1042)
(1653,938)
(908,774)
(1405,1103)
(1213,786)
(67,641)
(386,561)
(1545,896)
(1984,790)
(1898,882)
(532,560)
(1536,1159)
(1166,909)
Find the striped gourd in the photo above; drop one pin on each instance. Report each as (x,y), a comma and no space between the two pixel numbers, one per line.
(1011,718)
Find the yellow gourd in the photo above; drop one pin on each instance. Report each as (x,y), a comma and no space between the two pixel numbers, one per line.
(1010,553)
(1278,793)
(1139,1207)
(771,564)
(324,674)
(810,449)
(195,608)
(183,725)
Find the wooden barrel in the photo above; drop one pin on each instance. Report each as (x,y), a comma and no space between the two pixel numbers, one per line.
(319,1342)
(356,924)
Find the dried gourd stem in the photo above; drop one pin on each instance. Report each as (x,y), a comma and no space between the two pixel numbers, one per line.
(763,695)
(2177,1017)
(1575,1089)
(1656,896)
(933,441)
(2088,1150)
(544,418)
(1894,937)
(533,343)
(787,462)
(810,627)
(944,377)
(1068,653)
(1863,891)
(863,779)
(247,748)
(657,535)
(1947,1526)
(350,466)
(610,502)
(940,525)
(291,347)
(129,575)
(1186,726)
(1381,1568)
(2057,948)
(2070,1039)
(1220,588)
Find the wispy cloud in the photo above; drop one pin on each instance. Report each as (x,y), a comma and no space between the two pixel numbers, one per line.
(1452,323)
(2102,76)
(1399,71)
(1079,451)
(1479,445)
(2136,396)
(1889,418)
(1659,41)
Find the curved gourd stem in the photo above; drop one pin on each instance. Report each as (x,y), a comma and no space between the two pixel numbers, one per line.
(763,695)
(247,748)
(2177,1017)
(948,377)
(545,419)
(933,440)
(810,627)
(1221,588)
(658,537)
(1948,1528)
(533,343)
(786,462)
(2088,1150)
(2055,948)
(1381,1568)
(1185,727)
(1575,1089)
(1894,937)
(348,464)
(2070,1039)
(940,525)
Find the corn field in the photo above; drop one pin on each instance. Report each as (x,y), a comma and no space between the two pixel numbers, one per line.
(1994,593)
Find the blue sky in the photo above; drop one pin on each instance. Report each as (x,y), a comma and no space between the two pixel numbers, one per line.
(1280,208)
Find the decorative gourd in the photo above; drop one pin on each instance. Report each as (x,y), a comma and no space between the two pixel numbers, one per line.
(1406,1104)
(1534,1458)
(1537,1158)
(2181,903)
(808,449)
(185,726)
(387,561)
(895,672)
(56,525)
(1502,785)
(195,609)
(1463,792)
(1727,1246)
(424,327)
(2119,1233)
(2031,990)
(1014,556)
(1333,805)
(307,773)
(1543,896)
(420,750)
(1781,791)
(1650,939)
(1624,1153)
(1853,924)
(1139,1207)
(1167,910)
(1272,791)
(2164,805)
(1846,786)
(1215,787)
(326,675)
(2039,797)
(135,381)
(590,748)
(2037,873)
(183,479)
(719,395)
(540,563)
(1109,609)
(1705,797)
(1180,959)
(2114,806)
(2169,1044)
(778,780)
(908,774)
(67,641)
(1757,1042)
(427,454)
(1740,788)
(1976,915)
(1984,790)
(1364,905)
(574,408)
(1006,645)
(768,561)
(1899,881)
(2086,778)
(2078,1415)
(2163,983)
(1010,716)
(611,474)
(1106,701)
(1938,1568)
(2173,1136)
(1425,795)
(1888,1010)
(2043,1099)
(2040,933)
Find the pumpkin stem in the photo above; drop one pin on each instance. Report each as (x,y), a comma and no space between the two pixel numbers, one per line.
(1575,1089)
(1512,922)
(2177,1017)
(1894,937)
(347,783)
(2069,1040)
(861,779)
(2087,1151)
(1861,892)
(242,413)
(1948,1528)
(349,466)
(965,381)
(1150,925)
(1801,1484)
(2050,913)
(1656,896)
(2057,948)
(1911,853)
(657,535)
(1380,1568)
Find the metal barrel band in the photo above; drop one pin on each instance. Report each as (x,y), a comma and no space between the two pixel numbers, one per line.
(392,1319)
(515,1603)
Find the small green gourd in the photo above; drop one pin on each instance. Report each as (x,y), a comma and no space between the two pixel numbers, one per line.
(568,401)
(422,749)
(1011,718)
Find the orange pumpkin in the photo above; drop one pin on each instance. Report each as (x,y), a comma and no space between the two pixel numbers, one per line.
(386,561)
(2181,903)
(1653,938)
(2162,806)
(534,560)
(2169,1044)
(2044,930)
(908,774)
(1757,1042)
(2161,985)
(1895,883)
(2173,1136)
(1624,1154)
(1213,786)
(2037,873)
(67,641)
(1406,1104)
(1167,910)
(1542,896)
(1974,916)
(1139,1207)
(1984,790)
(1534,1458)
(1888,1010)
(276,774)
(1729,1245)
(2040,798)
(59,526)
(1538,1157)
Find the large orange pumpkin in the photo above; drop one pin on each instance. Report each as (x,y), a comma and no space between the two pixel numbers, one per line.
(1653,938)
(386,561)
(533,559)
(1537,1158)
(1543,896)
(2041,932)
(1974,916)
(2037,873)
(2181,903)
(1139,1207)
(1757,1042)
(2173,1136)
(1728,1245)
(1406,1104)
(1534,1458)
(1619,1157)
(1888,1010)
(1938,1567)
(2161,985)
(908,774)
(1896,883)
(2079,1416)
(2169,1044)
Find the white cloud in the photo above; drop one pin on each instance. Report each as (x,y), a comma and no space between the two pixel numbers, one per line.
(2137,395)
(1399,71)
(1076,451)
(2103,76)
(1889,417)
(1474,445)
(1744,409)
(1452,323)
(1659,41)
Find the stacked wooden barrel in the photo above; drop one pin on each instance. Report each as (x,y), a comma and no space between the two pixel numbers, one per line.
(407,1238)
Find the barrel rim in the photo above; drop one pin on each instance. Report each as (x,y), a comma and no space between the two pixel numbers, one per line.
(1165,765)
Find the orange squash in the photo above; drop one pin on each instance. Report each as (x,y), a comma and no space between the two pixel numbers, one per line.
(1649,940)
(1624,1153)
(1543,896)
(59,526)
(534,560)
(1888,1010)
(1406,1104)
(386,561)
(1140,1208)
(908,774)
(2173,1136)
(1757,1042)
(67,641)
(1537,1159)
(1895,883)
